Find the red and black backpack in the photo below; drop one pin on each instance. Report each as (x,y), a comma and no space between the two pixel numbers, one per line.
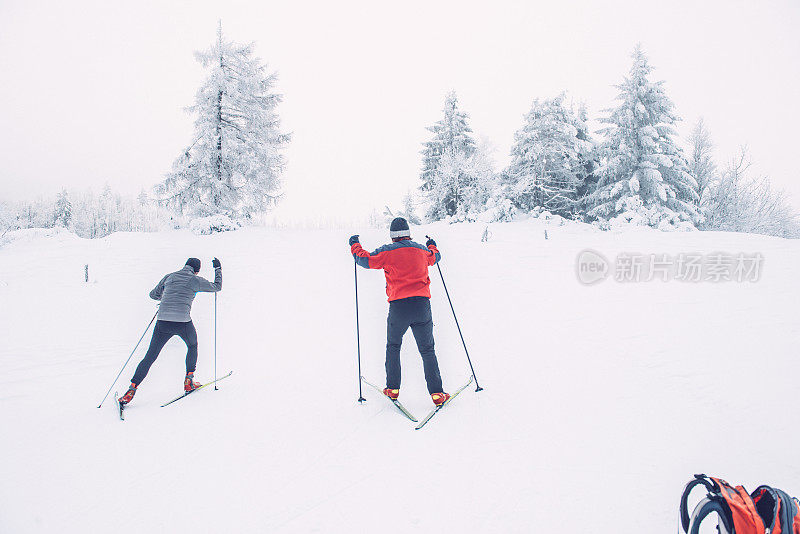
(765,511)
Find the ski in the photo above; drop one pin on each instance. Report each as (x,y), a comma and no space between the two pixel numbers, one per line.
(435,410)
(176,399)
(393,401)
(120,406)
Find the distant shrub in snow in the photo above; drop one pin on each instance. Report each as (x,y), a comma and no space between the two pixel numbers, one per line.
(498,210)
(213,224)
(461,185)
(738,202)
(633,212)
(409,209)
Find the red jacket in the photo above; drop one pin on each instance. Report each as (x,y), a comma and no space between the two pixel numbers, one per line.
(405,264)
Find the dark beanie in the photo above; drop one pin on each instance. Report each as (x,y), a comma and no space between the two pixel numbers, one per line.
(194,263)
(399,228)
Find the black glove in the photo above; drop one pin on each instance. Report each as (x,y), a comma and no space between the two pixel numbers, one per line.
(353,239)
(216,263)
(430,242)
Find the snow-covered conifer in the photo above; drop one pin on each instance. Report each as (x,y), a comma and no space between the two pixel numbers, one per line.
(643,172)
(551,157)
(234,163)
(450,134)
(63,210)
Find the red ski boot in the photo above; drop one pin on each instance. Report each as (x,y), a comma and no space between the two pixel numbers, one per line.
(440,398)
(189,384)
(391,393)
(125,399)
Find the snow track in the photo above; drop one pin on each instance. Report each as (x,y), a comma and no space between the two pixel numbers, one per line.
(591,393)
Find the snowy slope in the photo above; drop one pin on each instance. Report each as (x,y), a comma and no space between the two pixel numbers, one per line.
(600,402)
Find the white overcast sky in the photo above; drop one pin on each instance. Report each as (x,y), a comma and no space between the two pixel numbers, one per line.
(94,92)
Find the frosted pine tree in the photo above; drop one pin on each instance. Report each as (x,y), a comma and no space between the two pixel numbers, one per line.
(63,209)
(108,212)
(451,134)
(643,175)
(233,165)
(551,158)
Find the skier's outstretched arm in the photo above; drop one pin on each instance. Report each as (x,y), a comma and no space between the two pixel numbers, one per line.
(157,291)
(364,258)
(203,285)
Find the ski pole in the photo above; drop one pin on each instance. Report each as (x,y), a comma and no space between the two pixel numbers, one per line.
(215,341)
(479,388)
(358,333)
(129,359)
(7,229)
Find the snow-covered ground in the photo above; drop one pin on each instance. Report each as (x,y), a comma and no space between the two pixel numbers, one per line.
(600,402)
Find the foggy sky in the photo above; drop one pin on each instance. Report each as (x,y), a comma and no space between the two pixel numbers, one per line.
(94,92)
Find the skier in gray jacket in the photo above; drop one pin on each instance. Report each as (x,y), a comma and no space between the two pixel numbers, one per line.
(176,291)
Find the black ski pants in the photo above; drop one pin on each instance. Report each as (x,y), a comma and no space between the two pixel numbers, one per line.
(414,312)
(162,333)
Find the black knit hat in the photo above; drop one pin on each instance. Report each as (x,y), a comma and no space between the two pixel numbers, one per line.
(399,228)
(194,263)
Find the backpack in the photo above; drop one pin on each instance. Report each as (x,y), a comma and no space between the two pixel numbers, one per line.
(766,511)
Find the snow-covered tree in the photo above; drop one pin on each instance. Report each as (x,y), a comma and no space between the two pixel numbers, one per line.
(643,173)
(409,211)
(551,157)
(107,212)
(701,160)
(451,134)
(234,163)
(63,210)
(8,218)
(738,202)
(461,184)
(88,215)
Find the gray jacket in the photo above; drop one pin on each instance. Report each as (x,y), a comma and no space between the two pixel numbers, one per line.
(176,292)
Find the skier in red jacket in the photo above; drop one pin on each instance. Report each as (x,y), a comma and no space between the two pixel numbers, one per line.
(405,264)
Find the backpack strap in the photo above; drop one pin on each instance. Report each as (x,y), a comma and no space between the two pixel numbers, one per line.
(711,487)
(707,506)
(788,512)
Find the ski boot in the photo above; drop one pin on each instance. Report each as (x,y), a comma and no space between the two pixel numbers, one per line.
(125,399)
(391,393)
(189,384)
(440,398)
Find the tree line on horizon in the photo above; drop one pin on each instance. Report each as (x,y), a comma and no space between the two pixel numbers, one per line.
(632,171)
(635,172)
